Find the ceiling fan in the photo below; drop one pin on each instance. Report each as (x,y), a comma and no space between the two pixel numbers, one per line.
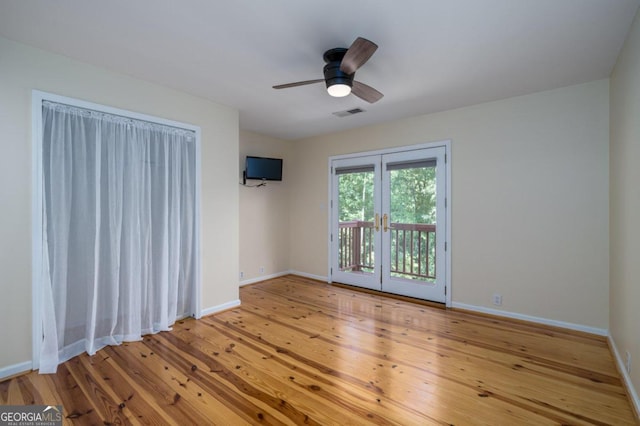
(340,69)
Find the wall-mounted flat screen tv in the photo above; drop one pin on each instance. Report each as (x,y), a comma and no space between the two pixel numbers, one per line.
(263,168)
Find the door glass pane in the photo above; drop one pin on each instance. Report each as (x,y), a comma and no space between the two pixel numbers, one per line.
(413,220)
(356,221)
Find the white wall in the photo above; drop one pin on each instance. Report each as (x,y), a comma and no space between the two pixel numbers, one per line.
(264,212)
(22,69)
(529,199)
(625,204)
(530,192)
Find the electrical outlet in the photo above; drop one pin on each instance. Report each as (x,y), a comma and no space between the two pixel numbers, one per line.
(497,299)
(628,362)
(241,274)
(262,269)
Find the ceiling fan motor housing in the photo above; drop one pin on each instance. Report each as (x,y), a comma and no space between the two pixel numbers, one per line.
(340,70)
(332,73)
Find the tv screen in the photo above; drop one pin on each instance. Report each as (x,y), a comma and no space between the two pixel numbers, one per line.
(262,168)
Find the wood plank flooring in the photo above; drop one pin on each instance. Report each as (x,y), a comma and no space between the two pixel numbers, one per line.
(302,352)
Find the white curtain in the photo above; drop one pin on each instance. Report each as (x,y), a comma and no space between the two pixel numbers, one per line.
(119,219)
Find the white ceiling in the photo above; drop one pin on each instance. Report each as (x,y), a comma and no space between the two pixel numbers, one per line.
(433,55)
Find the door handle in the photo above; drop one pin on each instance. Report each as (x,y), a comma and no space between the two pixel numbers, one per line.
(385,224)
(377,222)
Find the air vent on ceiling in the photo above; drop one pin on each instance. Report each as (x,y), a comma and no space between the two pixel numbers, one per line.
(348,112)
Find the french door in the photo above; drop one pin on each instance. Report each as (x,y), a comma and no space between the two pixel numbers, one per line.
(388,222)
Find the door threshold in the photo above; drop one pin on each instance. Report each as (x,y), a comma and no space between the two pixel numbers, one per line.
(392,295)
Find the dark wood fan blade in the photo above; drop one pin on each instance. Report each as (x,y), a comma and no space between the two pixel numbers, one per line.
(366,92)
(359,53)
(298,83)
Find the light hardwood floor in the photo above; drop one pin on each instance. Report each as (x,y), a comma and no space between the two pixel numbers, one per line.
(302,352)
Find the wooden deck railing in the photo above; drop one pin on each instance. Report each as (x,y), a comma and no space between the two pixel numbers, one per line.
(412,248)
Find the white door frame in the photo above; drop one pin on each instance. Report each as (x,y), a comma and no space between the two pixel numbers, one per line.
(447,145)
(37,243)
(374,160)
(423,289)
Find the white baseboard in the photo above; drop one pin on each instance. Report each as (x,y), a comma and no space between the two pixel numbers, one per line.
(312,276)
(545,321)
(26,366)
(625,376)
(220,308)
(14,369)
(263,278)
(281,274)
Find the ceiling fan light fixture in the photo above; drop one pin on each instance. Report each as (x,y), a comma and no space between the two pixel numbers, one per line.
(340,70)
(339,90)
